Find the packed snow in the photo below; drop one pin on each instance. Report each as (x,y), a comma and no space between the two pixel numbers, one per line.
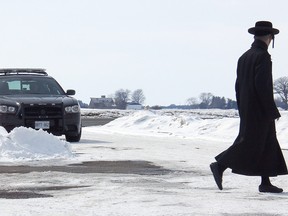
(28,144)
(182,141)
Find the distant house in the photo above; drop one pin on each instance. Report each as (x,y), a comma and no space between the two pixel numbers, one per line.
(101,103)
(134,106)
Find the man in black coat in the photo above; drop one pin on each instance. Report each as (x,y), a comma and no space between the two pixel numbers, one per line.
(256,151)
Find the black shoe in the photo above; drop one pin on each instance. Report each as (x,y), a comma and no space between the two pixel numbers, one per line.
(217,174)
(270,189)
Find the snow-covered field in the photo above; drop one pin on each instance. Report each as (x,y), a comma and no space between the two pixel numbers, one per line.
(184,142)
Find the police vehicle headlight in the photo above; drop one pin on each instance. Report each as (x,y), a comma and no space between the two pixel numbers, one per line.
(72,109)
(7,109)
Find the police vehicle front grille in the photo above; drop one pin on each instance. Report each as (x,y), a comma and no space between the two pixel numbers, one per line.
(41,111)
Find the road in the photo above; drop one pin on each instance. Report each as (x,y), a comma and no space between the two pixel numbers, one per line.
(86,167)
(114,174)
(128,167)
(107,176)
(86,122)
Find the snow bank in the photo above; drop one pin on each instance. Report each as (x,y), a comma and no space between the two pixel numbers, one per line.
(215,125)
(218,125)
(104,113)
(206,124)
(29,144)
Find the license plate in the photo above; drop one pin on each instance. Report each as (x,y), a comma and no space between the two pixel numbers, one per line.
(42,124)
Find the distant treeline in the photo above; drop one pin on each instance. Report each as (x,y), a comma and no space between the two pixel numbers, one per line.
(208,101)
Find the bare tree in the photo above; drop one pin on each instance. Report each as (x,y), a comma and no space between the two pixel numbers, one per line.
(138,96)
(281,88)
(121,98)
(206,99)
(192,101)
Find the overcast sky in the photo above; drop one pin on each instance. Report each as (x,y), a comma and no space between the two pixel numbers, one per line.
(171,49)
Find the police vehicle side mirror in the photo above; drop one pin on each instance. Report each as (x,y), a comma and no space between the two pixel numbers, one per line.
(71,92)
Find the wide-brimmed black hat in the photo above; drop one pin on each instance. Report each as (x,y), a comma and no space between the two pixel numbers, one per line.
(263,28)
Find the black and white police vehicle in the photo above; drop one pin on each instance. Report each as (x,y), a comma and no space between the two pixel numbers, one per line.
(32,98)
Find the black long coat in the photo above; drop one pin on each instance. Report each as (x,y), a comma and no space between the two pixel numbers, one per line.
(256,150)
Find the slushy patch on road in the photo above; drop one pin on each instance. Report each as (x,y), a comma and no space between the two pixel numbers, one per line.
(123,167)
(16,194)
(32,192)
(115,167)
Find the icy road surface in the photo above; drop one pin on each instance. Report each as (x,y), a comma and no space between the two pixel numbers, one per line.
(169,176)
